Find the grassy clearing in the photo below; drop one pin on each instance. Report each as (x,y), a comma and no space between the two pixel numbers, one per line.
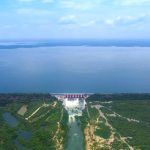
(22,110)
(103,131)
(32,106)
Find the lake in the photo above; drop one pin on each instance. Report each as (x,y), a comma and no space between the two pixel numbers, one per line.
(10,119)
(75,69)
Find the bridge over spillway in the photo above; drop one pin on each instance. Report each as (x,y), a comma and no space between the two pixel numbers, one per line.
(62,96)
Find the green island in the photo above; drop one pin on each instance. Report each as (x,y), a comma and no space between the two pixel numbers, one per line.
(108,122)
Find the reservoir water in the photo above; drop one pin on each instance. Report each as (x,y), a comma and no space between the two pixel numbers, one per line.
(75,69)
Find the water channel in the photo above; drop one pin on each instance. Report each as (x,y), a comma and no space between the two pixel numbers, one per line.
(74,108)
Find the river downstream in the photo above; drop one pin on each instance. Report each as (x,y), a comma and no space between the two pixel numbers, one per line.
(74,108)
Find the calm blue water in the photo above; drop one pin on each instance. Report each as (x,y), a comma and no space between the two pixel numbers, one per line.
(10,119)
(75,69)
(24,134)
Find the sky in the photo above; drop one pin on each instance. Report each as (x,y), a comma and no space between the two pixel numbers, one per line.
(103,19)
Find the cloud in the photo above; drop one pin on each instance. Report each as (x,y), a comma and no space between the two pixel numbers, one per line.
(74,20)
(43,1)
(77,5)
(31,11)
(25,0)
(122,2)
(88,23)
(7,26)
(133,2)
(125,20)
(69,19)
(48,1)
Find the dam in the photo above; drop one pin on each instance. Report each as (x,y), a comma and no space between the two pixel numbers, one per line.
(71,96)
(74,103)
